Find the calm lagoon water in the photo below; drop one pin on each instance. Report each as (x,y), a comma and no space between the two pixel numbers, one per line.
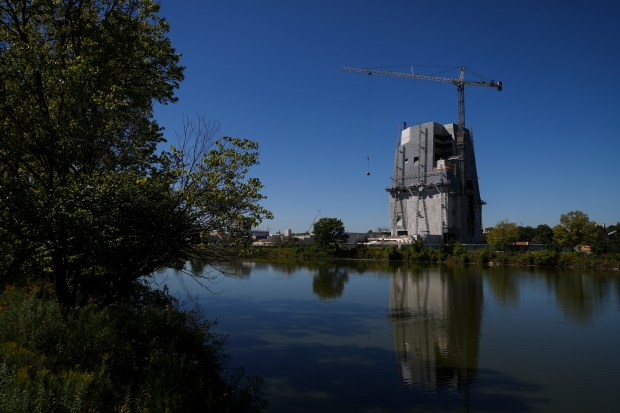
(418,339)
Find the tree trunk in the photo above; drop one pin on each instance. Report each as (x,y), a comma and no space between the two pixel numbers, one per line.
(61,277)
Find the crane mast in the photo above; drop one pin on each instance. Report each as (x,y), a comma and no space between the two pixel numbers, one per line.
(460,84)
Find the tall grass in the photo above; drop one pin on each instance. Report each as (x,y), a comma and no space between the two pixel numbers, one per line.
(150,358)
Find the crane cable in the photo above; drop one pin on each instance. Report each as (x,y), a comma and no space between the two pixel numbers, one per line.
(368,122)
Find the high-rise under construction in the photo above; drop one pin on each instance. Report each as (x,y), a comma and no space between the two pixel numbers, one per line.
(434,195)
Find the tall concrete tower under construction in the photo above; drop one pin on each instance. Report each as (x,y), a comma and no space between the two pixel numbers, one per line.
(434,194)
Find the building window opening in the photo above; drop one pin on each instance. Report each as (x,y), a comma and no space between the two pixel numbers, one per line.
(442,147)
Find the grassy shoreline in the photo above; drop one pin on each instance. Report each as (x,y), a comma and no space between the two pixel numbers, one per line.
(446,254)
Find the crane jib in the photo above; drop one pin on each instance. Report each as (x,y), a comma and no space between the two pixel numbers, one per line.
(420,76)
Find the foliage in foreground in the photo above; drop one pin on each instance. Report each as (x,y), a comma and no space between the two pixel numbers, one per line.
(152,358)
(87,201)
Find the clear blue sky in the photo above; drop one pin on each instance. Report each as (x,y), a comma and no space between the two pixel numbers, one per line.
(269,71)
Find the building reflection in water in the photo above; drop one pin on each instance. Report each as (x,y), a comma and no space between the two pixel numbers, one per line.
(436,318)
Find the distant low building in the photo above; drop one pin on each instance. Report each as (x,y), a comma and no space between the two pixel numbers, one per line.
(258,234)
(356,238)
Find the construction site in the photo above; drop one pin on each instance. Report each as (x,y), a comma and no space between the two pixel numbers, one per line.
(427,201)
(434,195)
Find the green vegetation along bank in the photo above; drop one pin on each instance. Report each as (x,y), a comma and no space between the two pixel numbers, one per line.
(577,242)
(124,358)
(445,254)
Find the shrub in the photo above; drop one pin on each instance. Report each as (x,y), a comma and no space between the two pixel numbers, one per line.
(418,252)
(393,254)
(459,250)
(153,358)
(546,258)
(484,256)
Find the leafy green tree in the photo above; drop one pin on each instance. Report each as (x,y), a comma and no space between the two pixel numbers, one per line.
(575,228)
(543,234)
(78,81)
(86,200)
(329,233)
(503,235)
(526,233)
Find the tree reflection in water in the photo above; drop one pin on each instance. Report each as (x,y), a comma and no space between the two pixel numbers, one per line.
(580,296)
(328,283)
(504,285)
